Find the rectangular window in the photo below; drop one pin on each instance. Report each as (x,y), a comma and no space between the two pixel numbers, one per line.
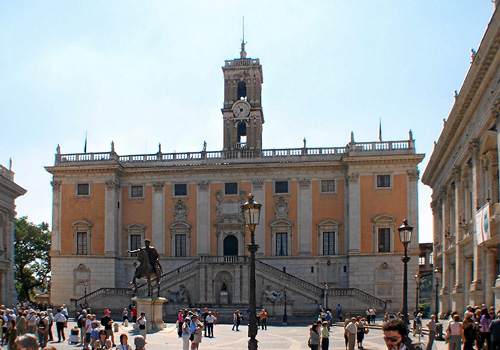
(328,243)
(83,190)
(180,245)
(231,188)
(383,180)
(384,240)
(281,187)
(136,191)
(81,243)
(281,244)
(180,189)
(135,243)
(421,260)
(327,186)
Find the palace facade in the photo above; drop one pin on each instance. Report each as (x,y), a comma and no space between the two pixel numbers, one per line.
(328,229)
(463,174)
(9,191)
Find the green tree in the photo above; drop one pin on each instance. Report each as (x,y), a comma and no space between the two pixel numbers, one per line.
(31,257)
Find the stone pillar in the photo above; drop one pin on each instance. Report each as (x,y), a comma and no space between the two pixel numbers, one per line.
(203,226)
(496,114)
(304,225)
(458,206)
(354,214)
(10,288)
(158,234)
(259,194)
(111,218)
(489,283)
(202,283)
(154,313)
(476,284)
(413,176)
(56,218)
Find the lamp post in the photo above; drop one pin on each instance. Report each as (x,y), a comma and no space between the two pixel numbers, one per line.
(405,232)
(85,292)
(437,272)
(417,281)
(326,296)
(285,316)
(251,213)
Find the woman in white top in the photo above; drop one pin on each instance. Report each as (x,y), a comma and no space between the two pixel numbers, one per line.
(186,333)
(141,321)
(456,330)
(123,343)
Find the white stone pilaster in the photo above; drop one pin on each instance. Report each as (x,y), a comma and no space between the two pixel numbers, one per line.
(354,214)
(56,218)
(111,218)
(412,204)
(259,195)
(476,197)
(203,219)
(304,225)
(158,234)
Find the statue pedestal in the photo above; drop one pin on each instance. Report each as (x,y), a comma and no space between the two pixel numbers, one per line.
(154,312)
(224,297)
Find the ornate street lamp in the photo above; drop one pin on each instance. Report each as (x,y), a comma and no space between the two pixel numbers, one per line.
(285,316)
(326,296)
(437,272)
(85,292)
(251,213)
(405,232)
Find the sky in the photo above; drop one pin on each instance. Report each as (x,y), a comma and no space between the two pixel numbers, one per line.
(140,73)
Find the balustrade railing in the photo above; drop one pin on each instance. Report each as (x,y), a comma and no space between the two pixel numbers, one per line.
(358,294)
(292,279)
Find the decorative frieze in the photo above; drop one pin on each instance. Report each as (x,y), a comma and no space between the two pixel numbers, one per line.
(257,184)
(353,177)
(158,186)
(112,184)
(304,182)
(203,185)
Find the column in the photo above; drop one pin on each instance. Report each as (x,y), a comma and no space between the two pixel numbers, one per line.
(458,287)
(158,234)
(259,195)
(469,267)
(304,225)
(56,218)
(11,292)
(476,284)
(353,234)
(490,275)
(412,216)
(203,226)
(111,217)
(496,114)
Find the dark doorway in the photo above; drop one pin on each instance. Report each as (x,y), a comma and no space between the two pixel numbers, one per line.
(230,245)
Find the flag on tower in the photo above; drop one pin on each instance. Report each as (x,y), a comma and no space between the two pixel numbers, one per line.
(85,146)
(380,129)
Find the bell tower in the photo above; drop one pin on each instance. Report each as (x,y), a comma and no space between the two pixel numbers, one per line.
(242,113)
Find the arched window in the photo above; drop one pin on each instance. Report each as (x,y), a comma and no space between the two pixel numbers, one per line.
(242,135)
(242,90)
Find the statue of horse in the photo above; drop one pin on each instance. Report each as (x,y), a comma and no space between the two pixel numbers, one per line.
(147,271)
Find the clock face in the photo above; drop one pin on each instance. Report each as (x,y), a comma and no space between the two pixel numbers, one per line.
(241,109)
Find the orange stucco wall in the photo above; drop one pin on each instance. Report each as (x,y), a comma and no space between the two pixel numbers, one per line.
(137,211)
(90,209)
(376,202)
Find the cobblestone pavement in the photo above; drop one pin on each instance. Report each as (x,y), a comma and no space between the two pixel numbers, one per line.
(275,338)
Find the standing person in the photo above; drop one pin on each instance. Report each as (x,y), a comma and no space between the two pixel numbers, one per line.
(12,332)
(124,317)
(180,322)
(107,323)
(21,322)
(210,321)
(186,332)
(351,333)
(60,320)
(263,319)
(31,321)
(82,319)
(431,326)
(360,331)
(43,330)
(236,320)
(325,336)
(134,313)
(485,334)
(417,329)
(204,319)
(395,335)
(88,332)
(314,338)
(140,342)
(27,342)
(469,331)
(339,312)
(216,315)
(50,316)
(346,333)
(373,314)
(197,330)
(495,333)
(368,315)
(123,343)
(141,321)
(456,331)
(385,319)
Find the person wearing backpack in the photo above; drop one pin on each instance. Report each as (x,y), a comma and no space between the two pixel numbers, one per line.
(43,329)
(82,319)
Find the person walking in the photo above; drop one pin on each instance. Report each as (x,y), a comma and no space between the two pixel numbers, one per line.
(485,334)
(469,331)
(12,332)
(236,320)
(263,319)
(210,321)
(186,333)
(43,329)
(361,327)
(431,326)
(196,330)
(60,320)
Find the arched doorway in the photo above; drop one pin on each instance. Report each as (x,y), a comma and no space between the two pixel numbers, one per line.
(230,245)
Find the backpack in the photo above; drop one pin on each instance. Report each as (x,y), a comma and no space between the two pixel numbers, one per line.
(80,322)
(41,323)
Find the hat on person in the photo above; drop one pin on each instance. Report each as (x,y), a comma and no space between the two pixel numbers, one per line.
(107,311)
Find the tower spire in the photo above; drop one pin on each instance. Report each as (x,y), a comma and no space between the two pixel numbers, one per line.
(243,53)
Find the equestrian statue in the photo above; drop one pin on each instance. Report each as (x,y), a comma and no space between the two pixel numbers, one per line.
(149,267)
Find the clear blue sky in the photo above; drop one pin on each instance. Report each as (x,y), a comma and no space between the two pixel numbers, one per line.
(147,72)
